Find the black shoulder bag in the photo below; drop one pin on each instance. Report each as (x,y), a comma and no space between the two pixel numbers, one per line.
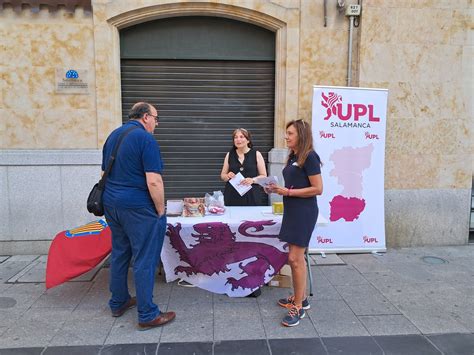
(94,201)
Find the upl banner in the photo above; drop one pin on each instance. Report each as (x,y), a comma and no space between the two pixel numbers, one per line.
(349,135)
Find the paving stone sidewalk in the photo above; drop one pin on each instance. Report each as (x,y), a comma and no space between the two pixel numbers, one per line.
(407,301)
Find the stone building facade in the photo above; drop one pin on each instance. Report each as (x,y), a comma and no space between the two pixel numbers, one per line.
(422,51)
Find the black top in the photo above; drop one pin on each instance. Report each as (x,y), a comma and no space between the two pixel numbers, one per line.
(248,169)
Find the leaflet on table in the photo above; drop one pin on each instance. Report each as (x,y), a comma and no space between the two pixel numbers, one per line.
(235,182)
(266,181)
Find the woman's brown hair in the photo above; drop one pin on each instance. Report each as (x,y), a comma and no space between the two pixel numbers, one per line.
(246,135)
(305,140)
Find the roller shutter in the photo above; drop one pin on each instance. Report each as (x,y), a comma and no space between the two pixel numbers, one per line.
(200,103)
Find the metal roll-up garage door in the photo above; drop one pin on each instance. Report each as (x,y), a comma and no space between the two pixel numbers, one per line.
(200,103)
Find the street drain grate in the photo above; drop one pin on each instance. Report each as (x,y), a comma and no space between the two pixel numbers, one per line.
(434,260)
(7,302)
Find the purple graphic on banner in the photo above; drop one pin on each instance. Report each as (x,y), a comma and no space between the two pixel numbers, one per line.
(216,248)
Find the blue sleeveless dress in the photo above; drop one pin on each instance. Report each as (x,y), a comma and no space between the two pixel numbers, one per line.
(300,214)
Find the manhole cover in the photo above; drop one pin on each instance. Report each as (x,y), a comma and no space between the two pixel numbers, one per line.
(433,260)
(7,302)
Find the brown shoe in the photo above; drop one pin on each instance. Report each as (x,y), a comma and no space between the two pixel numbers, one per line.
(119,312)
(162,319)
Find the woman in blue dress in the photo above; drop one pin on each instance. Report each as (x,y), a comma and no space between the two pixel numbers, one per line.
(303,183)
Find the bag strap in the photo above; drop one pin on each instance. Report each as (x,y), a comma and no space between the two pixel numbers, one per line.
(113,155)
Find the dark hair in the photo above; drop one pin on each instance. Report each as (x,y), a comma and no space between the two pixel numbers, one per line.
(305,140)
(246,135)
(138,110)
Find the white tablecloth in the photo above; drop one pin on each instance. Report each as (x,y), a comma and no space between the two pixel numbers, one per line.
(234,253)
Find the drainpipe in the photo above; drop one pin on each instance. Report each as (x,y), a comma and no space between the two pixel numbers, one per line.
(352,11)
(349,59)
(325,10)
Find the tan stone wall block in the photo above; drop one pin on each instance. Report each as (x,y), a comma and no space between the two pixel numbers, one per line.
(66,128)
(465,136)
(15,47)
(410,171)
(401,136)
(18,128)
(408,100)
(427,63)
(320,48)
(63,45)
(37,129)
(378,62)
(454,171)
(434,101)
(16,89)
(428,153)
(379,25)
(441,4)
(73,102)
(3,78)
(41,81)
(438,136)
(423,26)
(454,101)
(461,30)
(468,82)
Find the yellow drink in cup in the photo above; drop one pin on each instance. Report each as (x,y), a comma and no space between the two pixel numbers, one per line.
(277,207)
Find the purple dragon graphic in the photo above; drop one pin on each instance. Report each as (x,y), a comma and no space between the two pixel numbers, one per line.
(216,248)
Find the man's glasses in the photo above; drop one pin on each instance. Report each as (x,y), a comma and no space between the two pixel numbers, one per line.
(157,118)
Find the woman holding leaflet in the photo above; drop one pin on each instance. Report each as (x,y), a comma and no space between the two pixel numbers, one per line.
(242,158)
(303,183)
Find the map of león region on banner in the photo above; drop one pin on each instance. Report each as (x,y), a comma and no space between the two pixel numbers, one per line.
(350,203)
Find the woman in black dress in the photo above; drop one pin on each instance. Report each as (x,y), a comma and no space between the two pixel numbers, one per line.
(249,162)
(303,183)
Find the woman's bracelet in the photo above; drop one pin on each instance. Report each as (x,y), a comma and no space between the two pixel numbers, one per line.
(288,194)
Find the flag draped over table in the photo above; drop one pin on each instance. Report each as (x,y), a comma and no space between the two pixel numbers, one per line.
(75,251)
(226,257)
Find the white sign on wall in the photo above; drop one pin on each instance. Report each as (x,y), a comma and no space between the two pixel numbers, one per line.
(72,81)
(349,136)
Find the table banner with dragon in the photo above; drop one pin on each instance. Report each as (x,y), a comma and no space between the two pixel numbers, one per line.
(349,127)
(225,255)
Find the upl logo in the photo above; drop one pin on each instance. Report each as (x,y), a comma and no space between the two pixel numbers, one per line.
(322,240)
(344,112)
(369,240)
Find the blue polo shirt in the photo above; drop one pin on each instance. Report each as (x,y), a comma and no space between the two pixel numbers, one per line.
(138,154)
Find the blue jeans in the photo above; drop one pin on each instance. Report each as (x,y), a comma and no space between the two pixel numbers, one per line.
(138,233)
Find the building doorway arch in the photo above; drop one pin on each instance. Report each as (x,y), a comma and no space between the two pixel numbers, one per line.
(207,76)
(109,18)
